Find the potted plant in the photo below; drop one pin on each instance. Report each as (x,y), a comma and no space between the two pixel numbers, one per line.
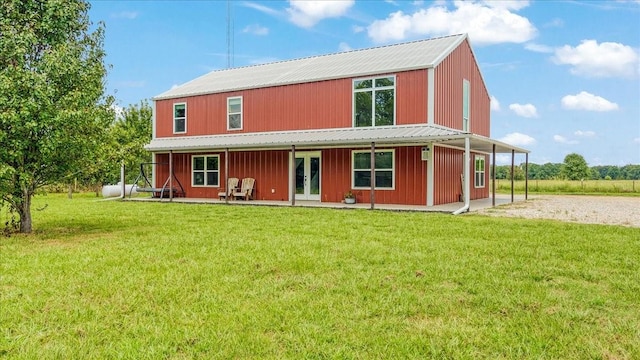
(349,197)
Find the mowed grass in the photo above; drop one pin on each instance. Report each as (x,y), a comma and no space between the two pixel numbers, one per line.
(134,280)
(590,187)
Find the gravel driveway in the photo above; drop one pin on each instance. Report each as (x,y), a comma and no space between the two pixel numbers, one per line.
(610,210)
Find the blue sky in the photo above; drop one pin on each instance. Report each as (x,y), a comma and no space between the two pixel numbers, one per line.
(564,76)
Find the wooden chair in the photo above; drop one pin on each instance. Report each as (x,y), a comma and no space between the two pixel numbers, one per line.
(246,189)
(232,186)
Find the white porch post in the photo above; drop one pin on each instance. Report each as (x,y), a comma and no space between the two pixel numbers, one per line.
(467,183)
(430,175)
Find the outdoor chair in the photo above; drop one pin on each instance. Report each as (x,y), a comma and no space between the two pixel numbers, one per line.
(232,186)
(246,189)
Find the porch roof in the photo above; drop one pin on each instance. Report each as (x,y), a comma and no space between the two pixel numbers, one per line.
(402,135)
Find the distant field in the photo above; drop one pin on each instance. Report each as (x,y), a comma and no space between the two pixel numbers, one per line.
(140,280)
(618,187)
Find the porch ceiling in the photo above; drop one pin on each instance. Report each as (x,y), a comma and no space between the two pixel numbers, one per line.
(403,135)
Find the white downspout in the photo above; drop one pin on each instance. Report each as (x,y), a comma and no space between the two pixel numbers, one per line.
(467,184)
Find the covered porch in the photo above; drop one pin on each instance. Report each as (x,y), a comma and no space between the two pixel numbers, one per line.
(425,136)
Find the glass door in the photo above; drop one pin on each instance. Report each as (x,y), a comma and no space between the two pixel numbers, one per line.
(307,166)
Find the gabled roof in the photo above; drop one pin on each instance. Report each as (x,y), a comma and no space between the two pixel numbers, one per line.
(419,134)
(413,55)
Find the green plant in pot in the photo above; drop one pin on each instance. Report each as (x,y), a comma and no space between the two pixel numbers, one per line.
(349,197)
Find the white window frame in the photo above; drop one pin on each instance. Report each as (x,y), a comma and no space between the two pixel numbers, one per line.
(176,118)
(466,104)
(373,95)
(479,174)
(206,171)
(229,113)
(368,152)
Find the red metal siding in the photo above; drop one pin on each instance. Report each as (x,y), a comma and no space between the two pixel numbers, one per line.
(447,171)
(449,75)
(411,97)
(448,176)
(316,105)
(410,177)
(271,171)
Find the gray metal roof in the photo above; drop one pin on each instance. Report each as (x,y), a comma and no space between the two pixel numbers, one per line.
(405,135)
(386,59)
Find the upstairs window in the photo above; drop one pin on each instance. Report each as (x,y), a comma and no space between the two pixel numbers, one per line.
(234,113)
(466,102)
(205,170)
(384,169)
(179,118)
(479,171)
(374,101)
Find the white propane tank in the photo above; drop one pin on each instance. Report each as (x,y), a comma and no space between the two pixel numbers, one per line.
(115,190)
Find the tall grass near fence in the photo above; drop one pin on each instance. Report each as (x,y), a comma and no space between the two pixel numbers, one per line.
(136,280)
(611,187)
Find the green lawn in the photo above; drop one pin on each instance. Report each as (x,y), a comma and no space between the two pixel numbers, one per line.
(586,187)
(133,280)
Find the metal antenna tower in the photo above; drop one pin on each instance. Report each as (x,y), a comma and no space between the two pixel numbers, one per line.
(229,35)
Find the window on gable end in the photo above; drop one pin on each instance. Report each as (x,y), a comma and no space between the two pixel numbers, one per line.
(374,101)
(466,103)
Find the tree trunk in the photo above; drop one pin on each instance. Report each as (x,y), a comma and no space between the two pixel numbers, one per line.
(70,193)
(24,209)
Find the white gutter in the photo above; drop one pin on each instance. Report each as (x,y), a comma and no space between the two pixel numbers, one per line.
(466,185)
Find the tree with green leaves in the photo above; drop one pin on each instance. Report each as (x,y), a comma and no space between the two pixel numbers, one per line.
(575,167)
(53,109)
(130,132)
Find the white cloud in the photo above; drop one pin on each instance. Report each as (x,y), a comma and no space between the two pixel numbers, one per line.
(263,9)
(561,139)
(130,15)
(495,104)
(587,101)
(174,86)
(503,159)
(539,48)
(256,29)
(587,133)
(486,23)
(518,139)
(526,110)
(607,59)
(308,13)
(557,22)
(343,46)
(637,140)
(357,29)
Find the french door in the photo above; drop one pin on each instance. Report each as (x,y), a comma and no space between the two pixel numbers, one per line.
(307,169)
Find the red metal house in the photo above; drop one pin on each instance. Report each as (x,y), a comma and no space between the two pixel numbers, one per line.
(415,117)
